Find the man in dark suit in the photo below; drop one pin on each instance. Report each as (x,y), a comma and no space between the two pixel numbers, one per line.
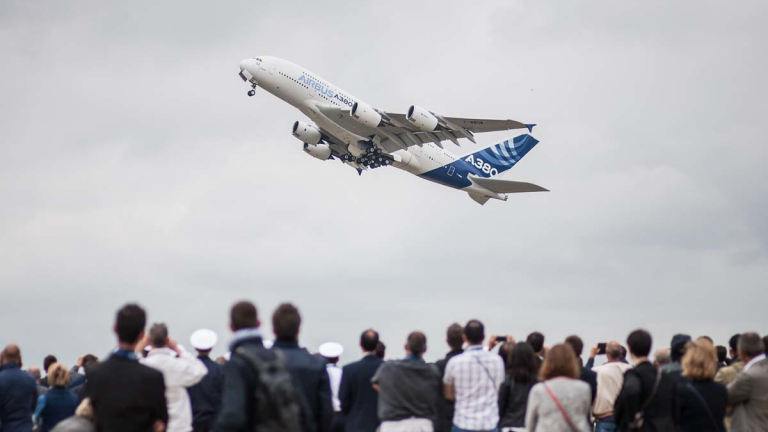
(359,401)
(455,340)
(18,393)
(308,371)
(587,375)
(126,395)
(205,396)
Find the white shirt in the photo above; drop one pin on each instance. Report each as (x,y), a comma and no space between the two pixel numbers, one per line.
(334,374)
(753,361)
(476,376)
(610,379)
(178,373)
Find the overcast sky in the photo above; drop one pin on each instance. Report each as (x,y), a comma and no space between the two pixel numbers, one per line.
(133,167)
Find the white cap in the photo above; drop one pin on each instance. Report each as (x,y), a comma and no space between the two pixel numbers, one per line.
(331,350)
(203,339)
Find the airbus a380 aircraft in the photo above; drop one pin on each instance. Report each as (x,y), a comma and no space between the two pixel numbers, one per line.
(348,129)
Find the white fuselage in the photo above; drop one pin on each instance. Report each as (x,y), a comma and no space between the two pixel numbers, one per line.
(287,81)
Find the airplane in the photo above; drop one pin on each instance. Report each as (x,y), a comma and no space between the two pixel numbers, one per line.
(347,129)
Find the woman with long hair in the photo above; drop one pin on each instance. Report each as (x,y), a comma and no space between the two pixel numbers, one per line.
(702,401)
(522,375)
(561,401)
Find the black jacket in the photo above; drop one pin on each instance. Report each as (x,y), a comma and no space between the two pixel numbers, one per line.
(126,395)
(660,416)
(240,380)
(513,402)
(205,396)
(311,379)
(18,399)
(359,401)
(693,414)
(590,377)
(444,419)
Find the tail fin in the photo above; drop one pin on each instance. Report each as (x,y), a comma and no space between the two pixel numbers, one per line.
(502,156)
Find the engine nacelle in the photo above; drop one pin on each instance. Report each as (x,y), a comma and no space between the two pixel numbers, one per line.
(307,133)
(422,119)
(365,114)
(320,151)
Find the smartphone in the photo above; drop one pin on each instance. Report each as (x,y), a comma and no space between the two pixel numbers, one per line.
(501,338)
(601,348)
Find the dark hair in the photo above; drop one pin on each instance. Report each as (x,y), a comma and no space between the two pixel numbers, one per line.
(623,351)
(504,351)
(522,366)
(417,343)
(576,343)
(677,347)
(244,315)
(158,335)
(560,362)
(454,339)
(381,350)
(474,332)
(286,321)
(89,358)
(536,340)
(722,353)
(368,340)
(48,361)
(751,344)
(733,342)
(130,322)
(640,342)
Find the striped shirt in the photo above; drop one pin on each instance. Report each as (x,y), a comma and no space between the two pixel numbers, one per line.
(476,376)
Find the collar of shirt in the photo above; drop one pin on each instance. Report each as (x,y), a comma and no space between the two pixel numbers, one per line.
(242,334)
(753,361)
(125,354)
(10,365)
(474,348)
(286,344)
(414,357)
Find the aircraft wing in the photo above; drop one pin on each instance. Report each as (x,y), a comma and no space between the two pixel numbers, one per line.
(396,132)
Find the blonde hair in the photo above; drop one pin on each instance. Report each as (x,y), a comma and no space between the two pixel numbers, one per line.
(700,360)
(58,375)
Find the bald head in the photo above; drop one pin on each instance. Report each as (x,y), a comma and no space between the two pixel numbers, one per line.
(613,350)
(11,354)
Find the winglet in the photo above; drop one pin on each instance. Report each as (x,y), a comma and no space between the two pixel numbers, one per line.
(530,127)
(359,172)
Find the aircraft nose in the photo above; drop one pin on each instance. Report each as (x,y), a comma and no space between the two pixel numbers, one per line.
(245,63)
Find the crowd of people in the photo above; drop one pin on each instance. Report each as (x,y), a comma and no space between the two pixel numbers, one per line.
(150,383)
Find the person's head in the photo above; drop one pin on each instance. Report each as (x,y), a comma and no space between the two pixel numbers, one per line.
(286,322)
(560,362)
(733,344)
(474,332)
(368,340)
(89,359)
(677,347)
(11,354)
(58,375)
(455,336)
(576,344)
(243,315)
(522,366)
(750,346)
(48,361)
(662,357)
(722,354)
(639,343)
(129,324)
(613,351)
(34,372)
(699,361)
(504,351)
(708,339)
(158,335)
(381,350)
(417,343)
(536,341)
(623,352)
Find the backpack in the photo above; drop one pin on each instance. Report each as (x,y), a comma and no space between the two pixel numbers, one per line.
(277,402)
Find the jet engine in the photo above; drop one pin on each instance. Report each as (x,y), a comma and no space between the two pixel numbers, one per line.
(365,114)
(320,151)
(307,133)
(422,119)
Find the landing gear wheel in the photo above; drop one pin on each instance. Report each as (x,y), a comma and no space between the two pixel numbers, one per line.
(377,151)
(251,92)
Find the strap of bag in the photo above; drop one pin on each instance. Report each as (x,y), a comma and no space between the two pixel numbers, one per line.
(648,401)
(488,373)
(706,406)
(560,407)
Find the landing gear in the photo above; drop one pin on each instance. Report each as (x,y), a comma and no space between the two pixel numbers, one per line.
(251,92)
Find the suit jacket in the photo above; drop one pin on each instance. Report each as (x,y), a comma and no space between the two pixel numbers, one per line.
(311,379)
(748,393)
(18,399)
(359,401)
(126,395)
(205,396)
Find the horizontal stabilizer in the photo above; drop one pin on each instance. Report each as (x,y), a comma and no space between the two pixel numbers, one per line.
(506,186)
